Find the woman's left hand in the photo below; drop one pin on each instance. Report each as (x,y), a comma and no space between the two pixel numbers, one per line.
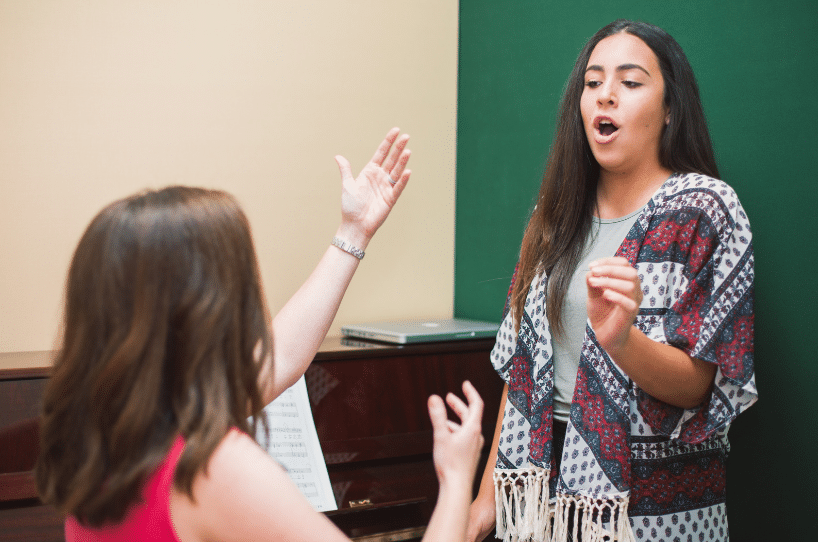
(614,296)
(367,200)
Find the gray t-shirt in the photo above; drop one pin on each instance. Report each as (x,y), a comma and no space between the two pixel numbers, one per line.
(605,238)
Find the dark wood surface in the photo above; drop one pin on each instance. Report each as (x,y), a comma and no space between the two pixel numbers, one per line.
(369,406)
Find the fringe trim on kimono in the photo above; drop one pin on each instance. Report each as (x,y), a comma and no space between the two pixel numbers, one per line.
(525,511)
(521,501)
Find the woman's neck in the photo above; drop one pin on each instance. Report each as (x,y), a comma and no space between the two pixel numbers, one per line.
(620,194)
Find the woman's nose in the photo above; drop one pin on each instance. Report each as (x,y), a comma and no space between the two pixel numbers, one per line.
(606,94)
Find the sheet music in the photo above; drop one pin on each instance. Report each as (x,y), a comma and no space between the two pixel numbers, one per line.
(294,444)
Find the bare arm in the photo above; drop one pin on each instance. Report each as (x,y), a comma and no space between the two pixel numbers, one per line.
(482,513)
(301,325)
(456,452)
(245,495)
(665,372)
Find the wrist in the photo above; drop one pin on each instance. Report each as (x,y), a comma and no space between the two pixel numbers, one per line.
(459,490)
(347,247)
(353,236)
(619,350)
(456,480)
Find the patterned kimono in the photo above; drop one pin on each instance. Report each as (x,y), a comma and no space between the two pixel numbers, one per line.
(634,467)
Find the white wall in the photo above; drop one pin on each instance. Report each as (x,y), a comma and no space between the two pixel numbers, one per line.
(99,99)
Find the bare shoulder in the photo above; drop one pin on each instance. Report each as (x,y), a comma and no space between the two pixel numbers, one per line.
(246,495)
(239,455)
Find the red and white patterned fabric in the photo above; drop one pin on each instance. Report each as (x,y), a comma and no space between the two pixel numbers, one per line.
(634,467)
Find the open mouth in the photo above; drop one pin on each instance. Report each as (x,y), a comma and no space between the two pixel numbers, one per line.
(606,127)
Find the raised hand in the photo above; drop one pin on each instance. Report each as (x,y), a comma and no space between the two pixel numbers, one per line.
(614,296)
(457,446)
(366,200)
(456,452)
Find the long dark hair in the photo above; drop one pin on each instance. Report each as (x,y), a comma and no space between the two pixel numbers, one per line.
(165,331)
(560,222)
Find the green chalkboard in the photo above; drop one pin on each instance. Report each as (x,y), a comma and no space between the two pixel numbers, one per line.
(757,66)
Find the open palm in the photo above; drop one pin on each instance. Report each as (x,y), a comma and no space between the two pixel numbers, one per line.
(367,199)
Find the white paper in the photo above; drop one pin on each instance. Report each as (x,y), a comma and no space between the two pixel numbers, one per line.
(294,444)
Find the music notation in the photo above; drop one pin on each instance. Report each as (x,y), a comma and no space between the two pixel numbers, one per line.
(293,442)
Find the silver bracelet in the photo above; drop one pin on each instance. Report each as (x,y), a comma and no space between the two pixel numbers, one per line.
(346,247)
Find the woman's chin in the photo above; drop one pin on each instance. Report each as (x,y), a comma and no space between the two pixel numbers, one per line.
(611,164)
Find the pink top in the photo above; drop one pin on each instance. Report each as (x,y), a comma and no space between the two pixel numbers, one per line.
(147,520)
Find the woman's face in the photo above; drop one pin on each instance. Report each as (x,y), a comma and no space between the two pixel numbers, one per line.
(622,105)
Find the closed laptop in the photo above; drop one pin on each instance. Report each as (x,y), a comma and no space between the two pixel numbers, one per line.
(419,331)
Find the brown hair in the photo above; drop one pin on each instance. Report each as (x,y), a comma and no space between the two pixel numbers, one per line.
(556,232)
(165,331)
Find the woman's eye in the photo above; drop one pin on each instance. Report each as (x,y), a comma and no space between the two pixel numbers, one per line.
(592,84)
(631,84)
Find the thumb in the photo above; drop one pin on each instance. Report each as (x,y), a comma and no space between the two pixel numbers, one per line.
(344,167)
(437,413)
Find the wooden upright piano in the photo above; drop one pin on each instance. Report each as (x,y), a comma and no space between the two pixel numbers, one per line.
(369,405)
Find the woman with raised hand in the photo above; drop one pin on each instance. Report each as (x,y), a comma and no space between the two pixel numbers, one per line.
(168,347)
(627,342)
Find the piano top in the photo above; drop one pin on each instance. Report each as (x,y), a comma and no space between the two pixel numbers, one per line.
(37,364)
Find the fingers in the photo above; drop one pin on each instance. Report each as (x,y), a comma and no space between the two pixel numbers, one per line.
(386,144)
(616,275)
(437,413)
(397,188)
(458,406)
(469,414)
(397,153)
(615,281)
(397,172)
(613,267)
(395,165)
(627,303)
(626,287)
(613,260)
(475,401)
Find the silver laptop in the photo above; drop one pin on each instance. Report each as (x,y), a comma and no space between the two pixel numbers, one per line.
(420,331)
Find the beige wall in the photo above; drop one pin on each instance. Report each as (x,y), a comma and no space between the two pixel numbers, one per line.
(99,99)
